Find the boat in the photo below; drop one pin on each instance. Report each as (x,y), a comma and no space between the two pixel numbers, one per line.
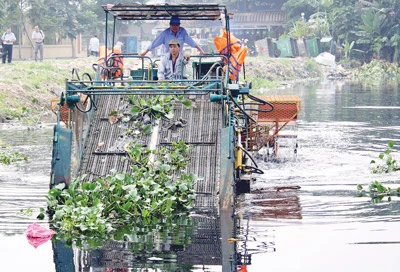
(224,123)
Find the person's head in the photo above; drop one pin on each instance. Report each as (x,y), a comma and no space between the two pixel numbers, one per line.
(174,46)
(9,29)
(174,23)
(36,28)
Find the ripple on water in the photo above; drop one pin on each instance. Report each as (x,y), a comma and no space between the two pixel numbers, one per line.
(24,185)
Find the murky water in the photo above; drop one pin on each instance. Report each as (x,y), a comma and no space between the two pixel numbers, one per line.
(303,214)
(324,225)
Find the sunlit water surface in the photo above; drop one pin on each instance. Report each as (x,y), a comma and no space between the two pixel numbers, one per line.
(303,214)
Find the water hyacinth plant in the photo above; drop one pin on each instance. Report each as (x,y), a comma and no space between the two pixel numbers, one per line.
(387,162)
(155,189)
(377,191)
(8,157)
(152,194)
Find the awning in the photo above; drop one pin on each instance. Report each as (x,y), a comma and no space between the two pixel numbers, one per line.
(267,18)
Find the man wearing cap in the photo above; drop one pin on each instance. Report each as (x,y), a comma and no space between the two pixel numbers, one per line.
(172,64)
(173,32)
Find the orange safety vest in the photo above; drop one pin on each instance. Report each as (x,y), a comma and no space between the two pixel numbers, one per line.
(112,65)
(237,53)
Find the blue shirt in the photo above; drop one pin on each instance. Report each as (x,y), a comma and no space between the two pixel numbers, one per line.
(167,35)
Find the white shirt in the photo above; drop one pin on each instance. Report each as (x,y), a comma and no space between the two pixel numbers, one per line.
(169,70)
(94,44)
(8,37)
(38,36)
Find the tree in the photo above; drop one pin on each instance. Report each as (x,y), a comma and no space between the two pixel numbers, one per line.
(66,18)
(380,27)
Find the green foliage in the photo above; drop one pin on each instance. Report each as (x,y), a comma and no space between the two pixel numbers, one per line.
(300,29)
(378,69)
(319,25)
(157,107)
(154,107)
(377,190)
(155,189)
(347,47)
(311,66)
(30,83)
(66,18)
(8,157)
(259,82)
(388,163)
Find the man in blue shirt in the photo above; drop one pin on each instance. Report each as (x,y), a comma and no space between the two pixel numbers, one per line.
(173,32)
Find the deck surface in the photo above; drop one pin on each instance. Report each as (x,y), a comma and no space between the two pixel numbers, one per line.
(105,145)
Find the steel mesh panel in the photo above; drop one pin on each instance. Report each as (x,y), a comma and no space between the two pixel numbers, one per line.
(286,107)
(99,160)
(64,110)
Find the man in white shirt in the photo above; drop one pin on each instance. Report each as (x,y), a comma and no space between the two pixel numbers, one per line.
(172,64)
(8,38)
(94,45)
(38,37)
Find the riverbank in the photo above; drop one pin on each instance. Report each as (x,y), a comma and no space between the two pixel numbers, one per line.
(26,88)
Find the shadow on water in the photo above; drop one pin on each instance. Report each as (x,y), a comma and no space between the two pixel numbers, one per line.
(303,214)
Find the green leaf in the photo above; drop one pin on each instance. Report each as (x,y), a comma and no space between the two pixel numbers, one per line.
(147,130)
(145,213)
(157,107)
(169,115)
(120,176)
(359,187)
(187,103)
(127,205)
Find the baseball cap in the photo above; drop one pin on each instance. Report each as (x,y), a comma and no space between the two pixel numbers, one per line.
(174,41)
(175,21)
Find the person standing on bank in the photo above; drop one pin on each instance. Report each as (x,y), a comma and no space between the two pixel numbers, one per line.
(172,65)
(38,37)
(8,38)
(94,46)
(173,32)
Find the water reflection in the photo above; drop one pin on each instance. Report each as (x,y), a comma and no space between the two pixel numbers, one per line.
(194,244)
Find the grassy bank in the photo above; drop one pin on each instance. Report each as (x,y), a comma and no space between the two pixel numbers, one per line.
(25,87)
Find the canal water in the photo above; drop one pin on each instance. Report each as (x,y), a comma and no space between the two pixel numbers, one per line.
(303,214)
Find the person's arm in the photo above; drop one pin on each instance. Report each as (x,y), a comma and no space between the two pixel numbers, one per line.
(200,50)
(155,43)
(189,40)
(144,52)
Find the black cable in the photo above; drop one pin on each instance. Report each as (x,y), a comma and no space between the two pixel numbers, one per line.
(262,102)
(254,169)
(244,112)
